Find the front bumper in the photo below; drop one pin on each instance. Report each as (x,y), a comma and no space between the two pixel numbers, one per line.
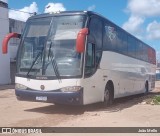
(57,97)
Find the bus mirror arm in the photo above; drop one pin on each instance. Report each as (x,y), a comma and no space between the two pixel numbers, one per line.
(6,40)
(81,39)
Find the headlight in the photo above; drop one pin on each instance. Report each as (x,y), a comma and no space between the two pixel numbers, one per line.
(71,88)
(20,86)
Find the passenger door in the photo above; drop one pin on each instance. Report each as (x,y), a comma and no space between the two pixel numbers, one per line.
(93,76)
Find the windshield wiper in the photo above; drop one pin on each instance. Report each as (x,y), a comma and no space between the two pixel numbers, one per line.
(54,63)
(39,54)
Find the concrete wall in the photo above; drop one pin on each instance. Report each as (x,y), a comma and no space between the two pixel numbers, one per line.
(4,59)
(14,26)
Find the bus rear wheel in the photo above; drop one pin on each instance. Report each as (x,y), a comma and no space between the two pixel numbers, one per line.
(108,95)
(146,87)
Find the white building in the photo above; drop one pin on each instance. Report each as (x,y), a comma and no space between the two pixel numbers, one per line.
(4,29)
(14,26)
(7,61)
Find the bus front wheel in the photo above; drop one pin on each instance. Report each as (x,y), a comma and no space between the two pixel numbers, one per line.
(108,95)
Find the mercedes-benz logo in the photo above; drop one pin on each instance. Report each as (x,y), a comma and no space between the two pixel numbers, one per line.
(42,87)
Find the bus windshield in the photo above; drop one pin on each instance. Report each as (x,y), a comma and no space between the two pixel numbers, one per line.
(48,46)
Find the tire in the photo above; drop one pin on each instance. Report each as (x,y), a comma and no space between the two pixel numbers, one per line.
(146,87)
(108,95)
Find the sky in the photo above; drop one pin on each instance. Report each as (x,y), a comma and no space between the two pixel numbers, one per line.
(139,17)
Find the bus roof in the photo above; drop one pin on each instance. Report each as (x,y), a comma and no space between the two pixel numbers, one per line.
(61,13)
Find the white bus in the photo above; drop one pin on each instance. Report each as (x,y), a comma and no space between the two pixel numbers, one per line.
(80,58)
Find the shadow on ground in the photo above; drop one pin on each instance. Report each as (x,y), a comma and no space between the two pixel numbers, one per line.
(118,105)
(4,87)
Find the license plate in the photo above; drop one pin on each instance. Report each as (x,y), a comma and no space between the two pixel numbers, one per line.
(41,98)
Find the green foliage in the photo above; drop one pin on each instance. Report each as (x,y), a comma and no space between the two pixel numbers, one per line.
(156,100)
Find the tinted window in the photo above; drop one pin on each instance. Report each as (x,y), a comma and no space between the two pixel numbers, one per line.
(117,40)
(95,37)
(95,31)
(122,42)
(145,54)
(110,37)
(131,46)
(90,59)
(151,56)
(138,51)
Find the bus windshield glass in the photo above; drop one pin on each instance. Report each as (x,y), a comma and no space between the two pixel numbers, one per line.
(48,47)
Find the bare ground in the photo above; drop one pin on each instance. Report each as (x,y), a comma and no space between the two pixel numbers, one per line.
(133,111)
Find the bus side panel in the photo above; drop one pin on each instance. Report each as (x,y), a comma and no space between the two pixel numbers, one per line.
(93,88)
(130,74)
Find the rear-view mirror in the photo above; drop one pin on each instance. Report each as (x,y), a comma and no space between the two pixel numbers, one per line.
(6,40)
(81,39)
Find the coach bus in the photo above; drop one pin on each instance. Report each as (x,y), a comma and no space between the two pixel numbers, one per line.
(79,58)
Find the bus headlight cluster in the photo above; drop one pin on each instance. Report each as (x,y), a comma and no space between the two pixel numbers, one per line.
(20,86)
(71,88)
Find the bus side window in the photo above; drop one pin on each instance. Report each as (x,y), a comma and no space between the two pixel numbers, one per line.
(96,37)
(90,59)
(98,57)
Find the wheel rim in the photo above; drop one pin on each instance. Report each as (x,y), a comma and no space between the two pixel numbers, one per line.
(146,86)
(106,95)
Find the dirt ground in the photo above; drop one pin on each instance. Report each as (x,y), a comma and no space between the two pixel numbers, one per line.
(133,111)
